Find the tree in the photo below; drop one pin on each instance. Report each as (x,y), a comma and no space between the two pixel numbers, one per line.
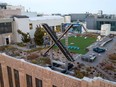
(38,36)
(25,36)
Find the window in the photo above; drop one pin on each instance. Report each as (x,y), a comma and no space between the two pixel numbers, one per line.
(38,82)
(16,77)
(113,26)
(1,77)
(54,86)
(10,76)
(29,80)
(5,27)
(30,26)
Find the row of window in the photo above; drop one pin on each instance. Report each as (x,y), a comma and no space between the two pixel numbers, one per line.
(29,83)
(5,28)
(17,81)
(113,24)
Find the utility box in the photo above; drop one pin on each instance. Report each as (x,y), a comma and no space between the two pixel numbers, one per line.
(105,29)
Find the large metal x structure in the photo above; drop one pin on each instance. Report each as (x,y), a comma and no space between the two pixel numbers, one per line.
(67,29)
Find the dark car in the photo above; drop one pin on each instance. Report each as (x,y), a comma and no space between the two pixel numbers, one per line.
(99,50)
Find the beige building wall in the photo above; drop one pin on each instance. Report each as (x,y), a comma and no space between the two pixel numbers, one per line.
(48,77)
(1,40)
(22,8)
(4,36)
(9,12)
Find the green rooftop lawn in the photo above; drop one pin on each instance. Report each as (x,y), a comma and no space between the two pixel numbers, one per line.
(80,42)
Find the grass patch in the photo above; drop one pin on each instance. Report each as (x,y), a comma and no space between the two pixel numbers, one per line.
(80,42)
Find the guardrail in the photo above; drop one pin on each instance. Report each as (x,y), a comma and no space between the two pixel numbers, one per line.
(104,43)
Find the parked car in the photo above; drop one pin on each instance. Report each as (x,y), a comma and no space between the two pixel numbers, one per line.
(92,57)
(89,58)
(99,50)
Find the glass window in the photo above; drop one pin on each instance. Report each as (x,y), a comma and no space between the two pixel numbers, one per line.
(1,77)
(5,27)
(113,26)
(16,76)
(38,82)
(29,80)
(10,76)
(54,86)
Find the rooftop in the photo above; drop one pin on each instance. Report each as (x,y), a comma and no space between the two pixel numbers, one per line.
(45,18)
(20,16)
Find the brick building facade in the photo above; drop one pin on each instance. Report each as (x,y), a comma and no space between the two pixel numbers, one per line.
(19,73)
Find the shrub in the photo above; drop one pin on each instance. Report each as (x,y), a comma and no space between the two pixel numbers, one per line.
(112,56)
(38,36)
(21,44)
(34,61)
(109,67)
(17,54)
(44,61)
(25,36)
(85,73)
(41,61)
(32,56)
(2,48)
(88,69)
(79,74)
(9,47)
